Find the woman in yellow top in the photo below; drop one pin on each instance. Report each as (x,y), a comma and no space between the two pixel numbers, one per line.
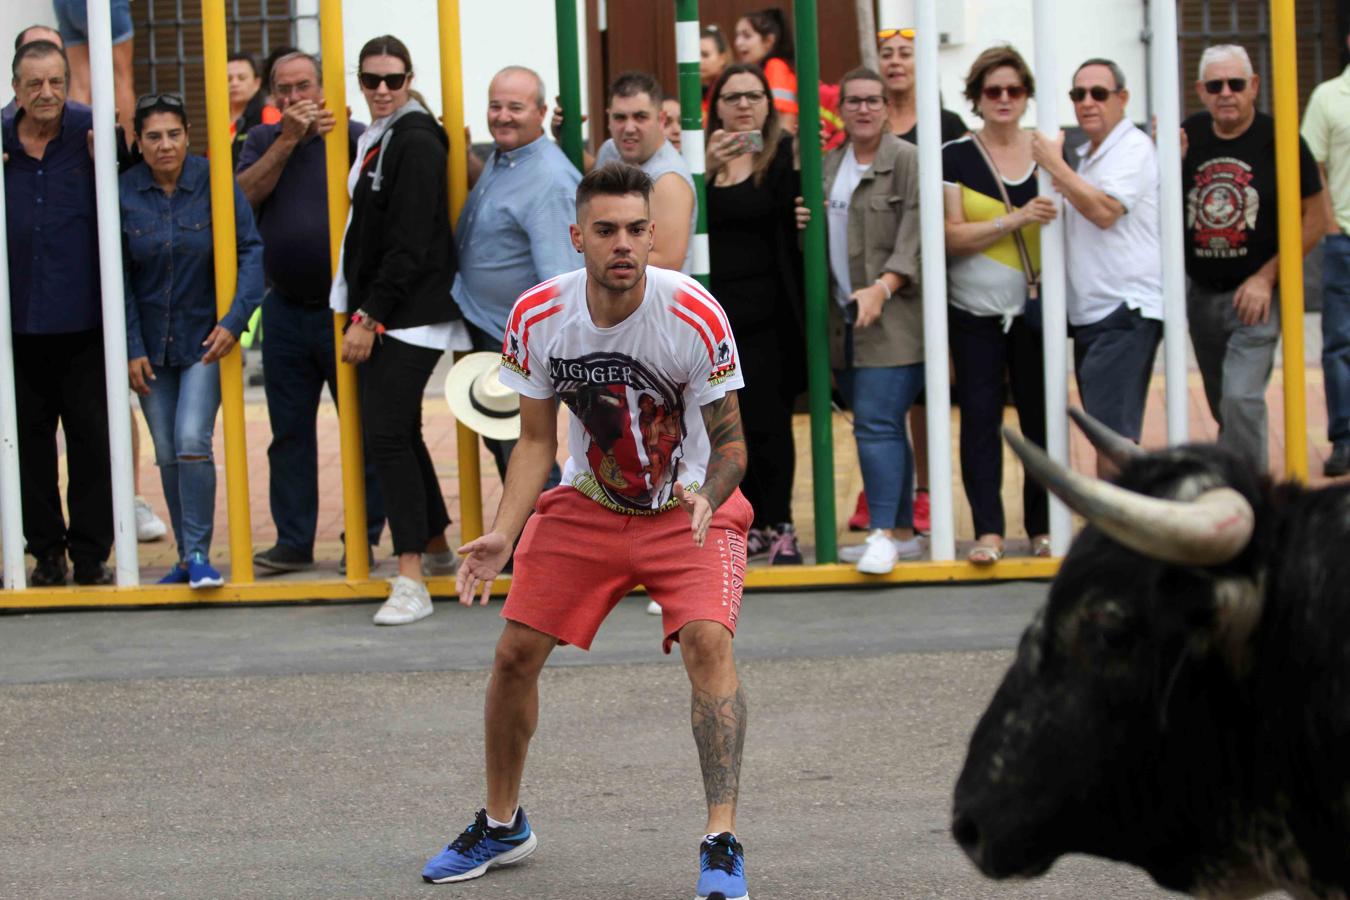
(992,327)
(764,39)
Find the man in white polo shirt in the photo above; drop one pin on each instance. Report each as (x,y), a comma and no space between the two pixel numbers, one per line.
(1114,260)
(1326,130)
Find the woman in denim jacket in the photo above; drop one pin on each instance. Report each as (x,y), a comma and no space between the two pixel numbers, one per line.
(173,336)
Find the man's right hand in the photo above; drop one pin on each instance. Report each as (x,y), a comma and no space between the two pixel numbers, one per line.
(140,374)
(299,118)
(484,559)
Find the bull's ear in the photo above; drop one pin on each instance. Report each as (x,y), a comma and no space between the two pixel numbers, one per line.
(1238,604)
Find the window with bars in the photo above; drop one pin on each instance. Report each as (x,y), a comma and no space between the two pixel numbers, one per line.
(169,54)
(1202,23)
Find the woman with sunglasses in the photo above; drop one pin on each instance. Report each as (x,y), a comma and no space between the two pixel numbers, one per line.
(757,276)
(398,262)
(993,249)
(764,39)
(174,338)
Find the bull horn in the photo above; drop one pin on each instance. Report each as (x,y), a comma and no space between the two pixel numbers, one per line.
(1117,448)
(1210,530)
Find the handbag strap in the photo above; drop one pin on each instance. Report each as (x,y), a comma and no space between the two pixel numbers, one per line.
(1033,277)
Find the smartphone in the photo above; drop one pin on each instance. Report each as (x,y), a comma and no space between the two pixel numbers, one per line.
(751,141)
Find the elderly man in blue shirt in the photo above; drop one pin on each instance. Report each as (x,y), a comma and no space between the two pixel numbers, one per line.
(513,231)
(57,320)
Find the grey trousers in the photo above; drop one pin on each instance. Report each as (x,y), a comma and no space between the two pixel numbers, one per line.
(1235,362)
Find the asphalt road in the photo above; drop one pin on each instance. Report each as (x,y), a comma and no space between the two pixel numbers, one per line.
(302,752)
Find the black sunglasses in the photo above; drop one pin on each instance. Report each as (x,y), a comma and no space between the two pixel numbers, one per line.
(371,82)
(1215,85)
(1097,92)
(1014,91)
(150,101)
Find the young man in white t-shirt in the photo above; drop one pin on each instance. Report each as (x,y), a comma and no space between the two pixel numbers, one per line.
(646,362)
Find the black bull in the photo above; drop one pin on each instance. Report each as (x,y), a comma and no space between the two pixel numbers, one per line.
(1182,701)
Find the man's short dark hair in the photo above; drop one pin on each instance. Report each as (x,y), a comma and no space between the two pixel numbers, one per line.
(1116,73)
(630,84)
(614,179)
(38,50)
(21,38)
(240,56)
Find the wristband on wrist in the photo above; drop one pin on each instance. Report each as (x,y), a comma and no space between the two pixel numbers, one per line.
(885,287)
(362,318)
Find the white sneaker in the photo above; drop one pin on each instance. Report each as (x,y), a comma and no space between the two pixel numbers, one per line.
(438,564)
(653,608)
(879,554)
(408,601)
(149,527)
(910,549)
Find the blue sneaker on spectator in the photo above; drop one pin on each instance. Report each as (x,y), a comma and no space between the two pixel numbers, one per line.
(201,574)
(177,575)
(480,848)
(722,861)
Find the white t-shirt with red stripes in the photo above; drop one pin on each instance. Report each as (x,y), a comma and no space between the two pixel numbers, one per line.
(635,390)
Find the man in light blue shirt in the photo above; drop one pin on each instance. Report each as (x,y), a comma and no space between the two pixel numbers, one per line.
(513,231)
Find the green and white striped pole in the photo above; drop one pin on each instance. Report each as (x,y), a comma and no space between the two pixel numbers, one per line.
(687,36)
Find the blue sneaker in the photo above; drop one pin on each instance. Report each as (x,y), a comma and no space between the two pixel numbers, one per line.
(201,574)
(480,848)
(177,575)
(722,863)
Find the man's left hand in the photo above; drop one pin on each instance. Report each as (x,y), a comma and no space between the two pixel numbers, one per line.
(700,512)
(218,344)
(1252,300)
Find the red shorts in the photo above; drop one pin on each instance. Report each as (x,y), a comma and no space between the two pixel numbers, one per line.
(577,560)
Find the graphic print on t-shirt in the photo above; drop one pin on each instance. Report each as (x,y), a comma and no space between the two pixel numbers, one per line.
(1221,208)
(633,419)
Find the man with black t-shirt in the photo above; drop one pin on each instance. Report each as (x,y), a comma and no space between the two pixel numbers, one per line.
(1232,246)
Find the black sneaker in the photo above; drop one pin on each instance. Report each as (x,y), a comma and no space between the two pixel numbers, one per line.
(49,572)
(1338,463)
(282,558)
(93,573)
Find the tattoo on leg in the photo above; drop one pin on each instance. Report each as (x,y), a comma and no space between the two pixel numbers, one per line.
(719,733)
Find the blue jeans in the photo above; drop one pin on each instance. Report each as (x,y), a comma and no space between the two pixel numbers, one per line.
(181,414)
(1336,335)
(298,360)
(881,398)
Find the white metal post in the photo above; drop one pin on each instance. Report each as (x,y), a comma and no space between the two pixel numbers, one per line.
(110,277)
(1167,103)
(11,505)
(933,283)
(1054,322)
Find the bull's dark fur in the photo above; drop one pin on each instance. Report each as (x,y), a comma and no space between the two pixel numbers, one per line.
(1131,726)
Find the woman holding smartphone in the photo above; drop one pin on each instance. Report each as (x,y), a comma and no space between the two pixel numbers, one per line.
(398,261)
(993,219)
(757,277)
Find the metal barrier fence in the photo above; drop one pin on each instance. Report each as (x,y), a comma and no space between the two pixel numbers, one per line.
(358,585)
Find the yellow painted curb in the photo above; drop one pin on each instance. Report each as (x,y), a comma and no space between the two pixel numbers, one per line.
(333,590)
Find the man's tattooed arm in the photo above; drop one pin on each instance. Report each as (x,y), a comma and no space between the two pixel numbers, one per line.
(726,464)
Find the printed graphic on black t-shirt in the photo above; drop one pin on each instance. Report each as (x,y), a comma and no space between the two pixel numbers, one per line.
(1231,214)
(608,392)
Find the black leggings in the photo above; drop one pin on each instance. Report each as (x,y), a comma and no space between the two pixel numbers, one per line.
(766,414)
(981,354)
(396,377)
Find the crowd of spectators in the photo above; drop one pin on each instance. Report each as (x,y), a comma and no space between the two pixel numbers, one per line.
(412,288)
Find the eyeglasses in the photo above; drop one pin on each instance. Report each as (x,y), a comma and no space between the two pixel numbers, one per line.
(1014,91)
(371,82)
(886,34)
(753,98)
(150,101)
(1215,85)
(874,102)
(1096,92)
